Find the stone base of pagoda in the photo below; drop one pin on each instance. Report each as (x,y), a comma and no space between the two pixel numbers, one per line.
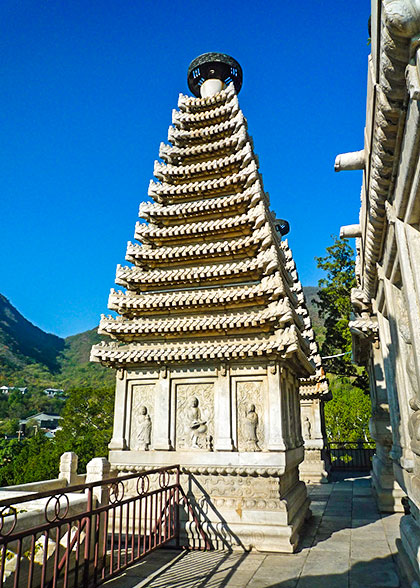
(316,467)
(387,491)
(409,549)
(247,501)
(235,431)
(238,525)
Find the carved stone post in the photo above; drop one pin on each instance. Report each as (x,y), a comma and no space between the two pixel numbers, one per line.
(119,440)
(388,492)
(99,469)
(222,410)
(277,427)
(162,412)
(68,468)
(315,468)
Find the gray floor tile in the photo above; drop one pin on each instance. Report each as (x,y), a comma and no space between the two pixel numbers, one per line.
(322,581)
(263,584)
(366,551)
(374,574)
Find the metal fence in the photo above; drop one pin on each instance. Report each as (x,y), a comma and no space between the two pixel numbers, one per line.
(84,535)
(351,455)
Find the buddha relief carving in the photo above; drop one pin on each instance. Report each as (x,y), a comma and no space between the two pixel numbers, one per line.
(142,416)
(197,426)
(250,423)
(194,416)
(307,429)
(249,429)
(144,428)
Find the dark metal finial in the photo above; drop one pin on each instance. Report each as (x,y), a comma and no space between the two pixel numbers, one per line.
(214,66)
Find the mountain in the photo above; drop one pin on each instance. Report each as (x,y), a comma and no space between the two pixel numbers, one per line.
(30,357)
(22,343)
(76,369)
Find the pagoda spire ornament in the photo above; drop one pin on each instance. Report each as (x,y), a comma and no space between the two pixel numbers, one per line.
(209,73)
(210,341)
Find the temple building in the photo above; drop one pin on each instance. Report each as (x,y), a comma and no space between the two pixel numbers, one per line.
(213,344)
(386,302)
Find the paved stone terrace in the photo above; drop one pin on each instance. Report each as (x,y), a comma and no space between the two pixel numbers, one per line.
(346,544)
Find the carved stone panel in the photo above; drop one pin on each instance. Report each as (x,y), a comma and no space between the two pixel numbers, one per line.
(250,415)
(406,345)
(240,491)
(195,416)
(142,413)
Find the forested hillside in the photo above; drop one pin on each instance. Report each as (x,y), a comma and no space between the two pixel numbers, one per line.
(30,357)
(21,343)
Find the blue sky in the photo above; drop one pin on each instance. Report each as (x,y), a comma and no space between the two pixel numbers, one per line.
(86,93)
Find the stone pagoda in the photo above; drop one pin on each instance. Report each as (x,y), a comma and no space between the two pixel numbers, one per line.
(314,392)
(212,344)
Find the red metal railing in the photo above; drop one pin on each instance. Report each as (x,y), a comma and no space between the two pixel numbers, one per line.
(88,533)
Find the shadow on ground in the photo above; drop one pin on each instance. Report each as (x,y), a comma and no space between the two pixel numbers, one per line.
(217,569)
(346,543)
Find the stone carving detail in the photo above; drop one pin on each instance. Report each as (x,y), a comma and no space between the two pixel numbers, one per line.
(312,455)
(144,426)
(196,424)
(404,331)
(250,410)
(407,357)
(194,416)
(249,429)
(142,417)
(242,491)
(263,472)
(307,428)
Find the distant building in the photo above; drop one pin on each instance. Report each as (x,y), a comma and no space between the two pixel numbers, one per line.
(52,392)
(9,389)
(45,421)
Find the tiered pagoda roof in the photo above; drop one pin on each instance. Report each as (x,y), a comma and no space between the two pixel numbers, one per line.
(210,278)
(315,385)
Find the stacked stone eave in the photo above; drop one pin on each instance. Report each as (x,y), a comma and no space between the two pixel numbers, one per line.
(210,278)
(385,298)
(315,385)
(395,77)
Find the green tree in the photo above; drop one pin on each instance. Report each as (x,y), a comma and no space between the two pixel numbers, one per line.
(87,423)
(17,404)
(9,451)
(347,413)
(9,427)
(35,460)
(86,430)
(334,305)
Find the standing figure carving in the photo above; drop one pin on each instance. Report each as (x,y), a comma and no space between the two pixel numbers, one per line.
(249,428)
(196,425)
(307,428)
(144,429)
